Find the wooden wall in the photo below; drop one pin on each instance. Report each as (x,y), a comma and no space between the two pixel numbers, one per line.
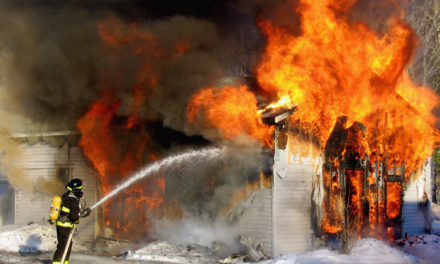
(292,231)
(292,200)
(256,220)
(413,215)
(39,161)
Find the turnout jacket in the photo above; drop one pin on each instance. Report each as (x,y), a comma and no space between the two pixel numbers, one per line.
(70,210)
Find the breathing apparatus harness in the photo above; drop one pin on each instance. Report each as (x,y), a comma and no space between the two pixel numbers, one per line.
(59,213)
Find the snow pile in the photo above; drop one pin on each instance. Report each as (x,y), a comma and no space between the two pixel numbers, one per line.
(27,239)
(435,227)
(364,251)
(426,247)
(167,252)
(32,238)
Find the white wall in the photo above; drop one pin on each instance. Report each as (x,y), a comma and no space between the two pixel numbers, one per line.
(412,213)
(37,161)
(256,218)
(88,226)
(40,161)
(292,209)
(292,201)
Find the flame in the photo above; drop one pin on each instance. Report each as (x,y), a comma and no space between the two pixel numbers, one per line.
(300,144)
(356,186)
(284,101)
(339,68)
(372,199)
(335,67)
(332,204)
(116,150)
(394,201)
(119,145)
(182,46)
(116,34)
(230,110)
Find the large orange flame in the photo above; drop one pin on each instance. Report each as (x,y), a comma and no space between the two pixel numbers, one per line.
(394,199)
(117,149)
(341,68)
(119,145)
(333,68)
(231,110)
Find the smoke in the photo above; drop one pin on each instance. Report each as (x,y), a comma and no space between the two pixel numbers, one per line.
(184,58)
(197,215)
(196,230)
(46,71)
(280,13)
(47,64)
(55,60)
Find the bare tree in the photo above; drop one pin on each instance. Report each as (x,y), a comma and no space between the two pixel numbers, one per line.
(424,18)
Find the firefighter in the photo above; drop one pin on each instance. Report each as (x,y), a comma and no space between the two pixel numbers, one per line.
(69,217)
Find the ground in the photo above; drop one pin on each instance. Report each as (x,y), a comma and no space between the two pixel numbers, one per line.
(46,258)
(35,244)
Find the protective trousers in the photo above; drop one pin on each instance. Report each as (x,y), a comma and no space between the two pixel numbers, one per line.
(62,236)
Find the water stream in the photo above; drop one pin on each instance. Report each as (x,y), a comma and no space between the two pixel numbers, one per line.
(201,155)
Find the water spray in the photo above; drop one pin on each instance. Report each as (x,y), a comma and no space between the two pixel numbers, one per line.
(203,154)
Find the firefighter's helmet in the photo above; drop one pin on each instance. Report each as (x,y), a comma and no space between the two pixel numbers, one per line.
(75,185)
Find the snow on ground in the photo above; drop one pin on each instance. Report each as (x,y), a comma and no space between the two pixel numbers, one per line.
(364,251)
(167,252)
(41,241)
(435,227)
(426,247)
(32,238)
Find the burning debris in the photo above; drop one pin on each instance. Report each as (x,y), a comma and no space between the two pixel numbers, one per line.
(273,116)
(362,196)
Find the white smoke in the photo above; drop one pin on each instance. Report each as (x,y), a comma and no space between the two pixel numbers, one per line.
(196,230)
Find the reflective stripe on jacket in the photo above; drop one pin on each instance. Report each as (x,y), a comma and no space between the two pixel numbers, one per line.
(65,224)
(70,210)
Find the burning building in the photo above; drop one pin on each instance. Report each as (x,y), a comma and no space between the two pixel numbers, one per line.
(356,133)
(332,195)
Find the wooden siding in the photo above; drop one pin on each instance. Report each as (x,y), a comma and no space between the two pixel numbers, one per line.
(292,193)
(37,161)
(6,202)
(413,220)
(40,161)
(412,213)
(80,169)
(256,221)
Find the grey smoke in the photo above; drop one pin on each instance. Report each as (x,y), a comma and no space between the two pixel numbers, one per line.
(54,64)
(52,61)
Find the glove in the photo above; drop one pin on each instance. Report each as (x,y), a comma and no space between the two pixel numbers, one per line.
(86,212)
